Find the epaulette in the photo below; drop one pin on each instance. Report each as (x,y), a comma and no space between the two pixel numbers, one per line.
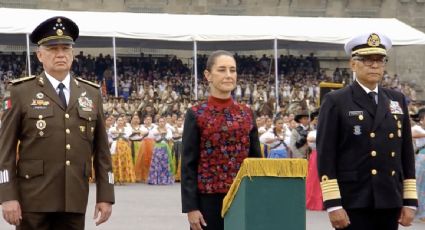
(20,80)
(88,82)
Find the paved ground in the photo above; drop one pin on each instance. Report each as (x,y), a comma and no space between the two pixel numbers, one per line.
(144,207)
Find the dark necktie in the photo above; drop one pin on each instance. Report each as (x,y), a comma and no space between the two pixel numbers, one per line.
(62,94)
(373,96)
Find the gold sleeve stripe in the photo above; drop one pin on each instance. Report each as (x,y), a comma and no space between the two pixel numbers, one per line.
(330,189)
(409,189)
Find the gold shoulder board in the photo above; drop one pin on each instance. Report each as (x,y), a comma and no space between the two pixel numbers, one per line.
(88,82)
(20,80)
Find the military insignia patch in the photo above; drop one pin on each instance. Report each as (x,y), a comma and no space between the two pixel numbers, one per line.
(111,178)
(85,103)
(395,108)
(7,104)
(357,130)
(39,95)
(41,124)
(40,104)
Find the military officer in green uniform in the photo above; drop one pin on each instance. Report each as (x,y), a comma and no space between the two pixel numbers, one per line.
(52,128)
(364,145)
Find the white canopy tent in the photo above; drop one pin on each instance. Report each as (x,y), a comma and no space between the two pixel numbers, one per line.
(205,32)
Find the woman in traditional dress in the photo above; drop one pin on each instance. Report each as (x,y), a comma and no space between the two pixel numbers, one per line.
(313,194)
(418,134)
(121,158)
(161,167)
(135,136)
(274,138)
(177,146)
(144,157)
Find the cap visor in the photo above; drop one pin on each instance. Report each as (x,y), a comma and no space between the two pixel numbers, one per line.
(58,42)
(370,51)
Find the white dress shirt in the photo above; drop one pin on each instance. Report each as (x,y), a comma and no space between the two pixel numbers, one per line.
(66,82)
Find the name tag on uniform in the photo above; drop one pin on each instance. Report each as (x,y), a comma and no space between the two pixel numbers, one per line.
(355,113)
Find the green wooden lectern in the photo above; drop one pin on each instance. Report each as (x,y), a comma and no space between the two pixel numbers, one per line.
(267,194)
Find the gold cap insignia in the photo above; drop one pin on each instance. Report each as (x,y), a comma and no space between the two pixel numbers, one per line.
(374,40)
(59,32)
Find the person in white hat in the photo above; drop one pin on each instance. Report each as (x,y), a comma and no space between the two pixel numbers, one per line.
(364,144)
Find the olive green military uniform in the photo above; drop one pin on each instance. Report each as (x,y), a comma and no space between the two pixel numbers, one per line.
(55,147)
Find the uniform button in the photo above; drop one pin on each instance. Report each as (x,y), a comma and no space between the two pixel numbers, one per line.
(391,135)
(68,146)
(372,135)
(27,176)
(393,173)
(66,116)
(68,163)
(68,131)
(374,172)
(361,117)
(40,117)
(393,154)
(89,118)
(373,153)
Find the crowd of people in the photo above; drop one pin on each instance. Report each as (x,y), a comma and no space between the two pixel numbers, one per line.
(164,84)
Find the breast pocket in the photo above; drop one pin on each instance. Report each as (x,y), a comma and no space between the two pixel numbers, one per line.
(87,125)
(40,122)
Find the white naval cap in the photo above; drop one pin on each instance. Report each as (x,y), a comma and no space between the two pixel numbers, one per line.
(368,44)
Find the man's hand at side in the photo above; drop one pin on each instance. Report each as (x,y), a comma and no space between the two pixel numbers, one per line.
(12,213)
(339,218)
(105,210)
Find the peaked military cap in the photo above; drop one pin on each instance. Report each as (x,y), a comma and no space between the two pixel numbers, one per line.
(368,44)
(55,30)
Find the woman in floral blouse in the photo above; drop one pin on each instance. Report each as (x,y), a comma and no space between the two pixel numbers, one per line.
(218,135)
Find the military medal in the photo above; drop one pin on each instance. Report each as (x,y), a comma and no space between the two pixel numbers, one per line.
(41,124)
(83,129)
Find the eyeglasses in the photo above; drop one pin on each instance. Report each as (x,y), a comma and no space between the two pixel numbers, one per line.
(370,61)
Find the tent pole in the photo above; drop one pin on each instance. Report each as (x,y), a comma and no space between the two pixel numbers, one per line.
(28,55)
(195,67)
(276,75)
(115,66)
